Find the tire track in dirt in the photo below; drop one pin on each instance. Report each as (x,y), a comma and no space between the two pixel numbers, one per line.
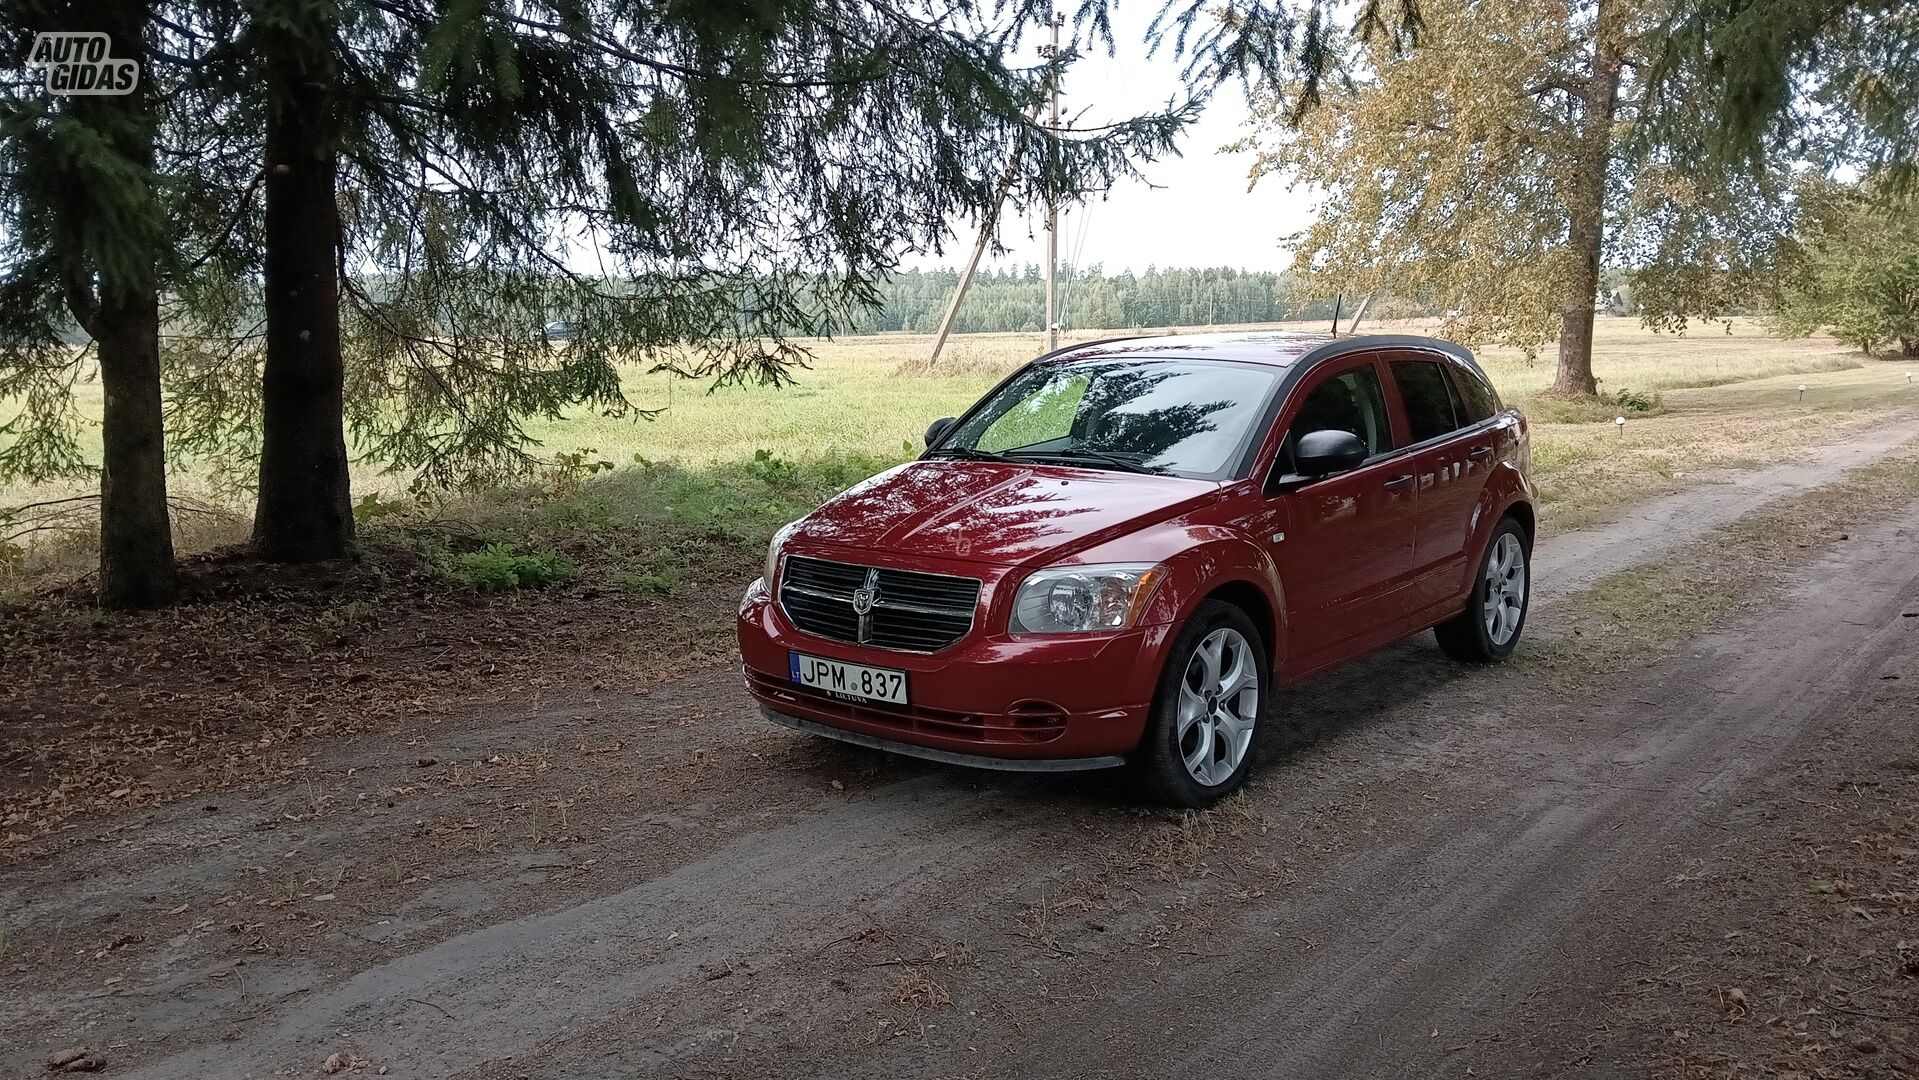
(501,988)
(1417,954)
(1500,898)
(1644,532)
(949,842)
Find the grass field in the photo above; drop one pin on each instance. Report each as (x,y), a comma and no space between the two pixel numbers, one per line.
(1722,399)
(1725,399)
(873,394)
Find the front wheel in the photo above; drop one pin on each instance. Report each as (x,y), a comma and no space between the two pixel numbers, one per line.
(1488,630)
(1198,745)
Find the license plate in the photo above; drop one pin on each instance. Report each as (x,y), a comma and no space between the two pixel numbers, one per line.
(848,680)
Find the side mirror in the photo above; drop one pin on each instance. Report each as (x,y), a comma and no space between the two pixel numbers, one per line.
(1322,453)
(937,430)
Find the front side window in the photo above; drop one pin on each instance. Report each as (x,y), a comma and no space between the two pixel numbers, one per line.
(1428,398)
(1350,401)
(1192,418)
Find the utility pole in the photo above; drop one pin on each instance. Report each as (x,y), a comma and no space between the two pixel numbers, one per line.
(1353,327)
(1051,52)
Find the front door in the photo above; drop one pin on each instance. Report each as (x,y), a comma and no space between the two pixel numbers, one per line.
(1346,562)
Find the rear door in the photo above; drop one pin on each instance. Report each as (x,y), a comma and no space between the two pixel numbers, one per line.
(1447,459)
(1345,562)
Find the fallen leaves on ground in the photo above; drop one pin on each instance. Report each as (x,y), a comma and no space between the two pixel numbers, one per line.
(224,690)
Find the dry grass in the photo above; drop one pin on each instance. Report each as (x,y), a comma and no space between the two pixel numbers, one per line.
(1587,470)
(875,394)
(915,988)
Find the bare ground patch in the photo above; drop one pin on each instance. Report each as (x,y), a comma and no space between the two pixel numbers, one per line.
(1790,947)
(1802,957)
(654,884)
(231,688)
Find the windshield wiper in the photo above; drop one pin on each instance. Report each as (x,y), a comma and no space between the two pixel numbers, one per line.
(1083,453)
(967,453)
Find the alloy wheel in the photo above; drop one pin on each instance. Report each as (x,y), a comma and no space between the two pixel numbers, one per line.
(1505,603)
(1218,706)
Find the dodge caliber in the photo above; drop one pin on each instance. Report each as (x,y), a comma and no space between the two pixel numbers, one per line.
(1125,550)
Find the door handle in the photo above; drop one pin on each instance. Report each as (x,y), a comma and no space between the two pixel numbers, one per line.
(1480,453)
(1398,482)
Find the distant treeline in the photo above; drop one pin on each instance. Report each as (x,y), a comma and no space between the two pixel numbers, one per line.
(1015,300)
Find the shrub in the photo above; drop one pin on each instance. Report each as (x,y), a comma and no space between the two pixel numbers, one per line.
(372,507)
(497,567)
(1550,408)
(1854,271)
(774,471)
(1633,401)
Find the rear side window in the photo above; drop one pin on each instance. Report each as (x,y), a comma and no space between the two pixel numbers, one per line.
(1350,401)
(1428,396)
(1475,397)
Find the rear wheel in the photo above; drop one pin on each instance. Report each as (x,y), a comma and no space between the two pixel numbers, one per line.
(1198,744)
(1488,630)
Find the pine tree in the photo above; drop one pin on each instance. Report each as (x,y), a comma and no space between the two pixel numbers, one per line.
(368,210)
(719,160)
(86,246)
(1834,77)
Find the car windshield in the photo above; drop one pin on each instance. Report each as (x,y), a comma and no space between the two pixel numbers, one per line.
(1187,418)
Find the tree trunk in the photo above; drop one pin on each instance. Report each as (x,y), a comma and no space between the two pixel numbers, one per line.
(123,318)
(1586,207)
(305,511)
(136,535)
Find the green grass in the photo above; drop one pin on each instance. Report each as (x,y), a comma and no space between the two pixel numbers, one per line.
(739,461)
(739,502)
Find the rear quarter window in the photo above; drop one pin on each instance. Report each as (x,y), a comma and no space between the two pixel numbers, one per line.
(1476,398)
(1428,397)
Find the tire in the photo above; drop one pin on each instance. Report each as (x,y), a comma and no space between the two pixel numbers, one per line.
(1202,732)
(1489,629)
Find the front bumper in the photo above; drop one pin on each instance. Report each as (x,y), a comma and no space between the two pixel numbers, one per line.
(977,761)
(993,699)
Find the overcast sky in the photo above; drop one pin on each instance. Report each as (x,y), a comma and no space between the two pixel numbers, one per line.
(1192,210)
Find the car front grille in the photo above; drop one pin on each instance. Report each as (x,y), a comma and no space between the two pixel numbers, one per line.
(908,611)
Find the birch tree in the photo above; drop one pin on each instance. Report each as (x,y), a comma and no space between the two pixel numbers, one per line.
(1493,169)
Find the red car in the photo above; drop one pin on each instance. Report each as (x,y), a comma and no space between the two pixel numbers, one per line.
(1123,550)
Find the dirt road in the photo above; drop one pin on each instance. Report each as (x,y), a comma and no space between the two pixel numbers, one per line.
(1440,871)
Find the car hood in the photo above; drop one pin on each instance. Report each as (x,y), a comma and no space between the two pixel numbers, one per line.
(994,512)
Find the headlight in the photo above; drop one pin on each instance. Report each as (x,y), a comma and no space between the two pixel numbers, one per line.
(773,551)
(1079,599)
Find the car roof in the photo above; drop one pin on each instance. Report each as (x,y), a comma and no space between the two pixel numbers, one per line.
(1279,348)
